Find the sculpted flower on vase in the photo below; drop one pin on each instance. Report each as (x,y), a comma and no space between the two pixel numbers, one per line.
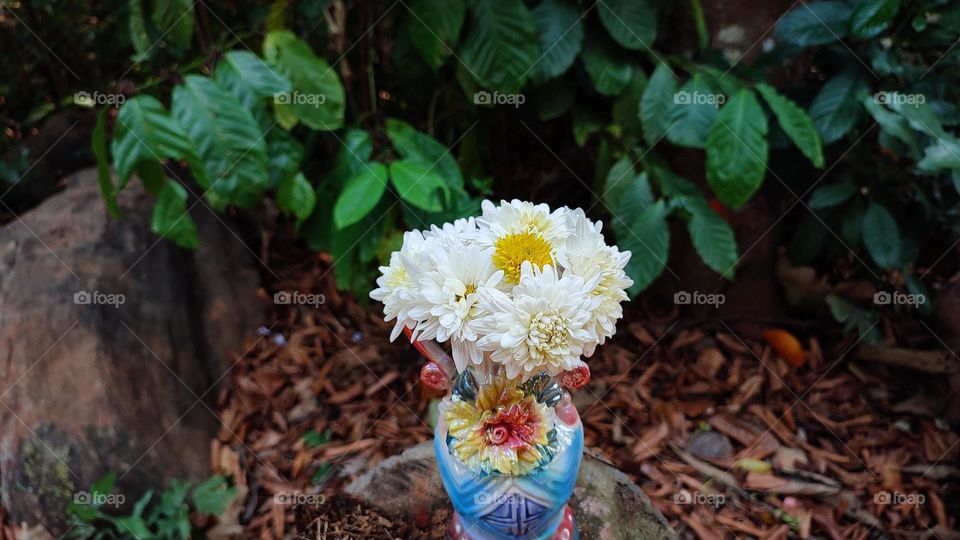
(503,431)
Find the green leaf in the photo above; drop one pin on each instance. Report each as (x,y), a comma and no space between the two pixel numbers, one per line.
(227,138)
(609,71)
(647,236)
(315,440)
(284,154)
(586,122)
(418,184)
(104,485)
(881,236)
(152,176)
(737,150)
(631,23)
(851,227)
(170,218)
(815,23)
(870,17)
(831,195)
(249,78)
(361,194)
(559,30)
(212,496)
(893,124)
(624,191)
(919,114)
(172,500)
(713,239)
(425,150)
(142,502)
(435,28)
(626,109)
(296,196)
(943,154)
(854,318)
(656,102)
(795,123)
(693,112)
(352,156)
(317,97)
(133,526)
(145,132)
(501,47)
(554,98)
(836,107)
(104,180)
(174,21)
(137,28)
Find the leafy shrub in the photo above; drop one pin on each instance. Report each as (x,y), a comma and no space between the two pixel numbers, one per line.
(249,129)
(888,101)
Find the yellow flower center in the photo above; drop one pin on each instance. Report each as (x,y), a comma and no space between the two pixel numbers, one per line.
(511,250)
(467,291)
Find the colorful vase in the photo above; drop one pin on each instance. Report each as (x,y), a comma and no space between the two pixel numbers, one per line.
(508,451)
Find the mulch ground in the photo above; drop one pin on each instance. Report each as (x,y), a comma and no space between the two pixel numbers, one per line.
(727,439)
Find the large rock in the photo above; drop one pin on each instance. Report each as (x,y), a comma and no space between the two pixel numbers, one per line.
(99,387)
(605,503)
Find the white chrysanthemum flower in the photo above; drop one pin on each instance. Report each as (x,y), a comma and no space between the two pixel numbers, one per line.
(397,286)
(453,236)
(544,325)
(586,254)
(448,307)
(520,231)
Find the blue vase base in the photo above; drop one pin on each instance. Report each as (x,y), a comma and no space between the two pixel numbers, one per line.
(461,530)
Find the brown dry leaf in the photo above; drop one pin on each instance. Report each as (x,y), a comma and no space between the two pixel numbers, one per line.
(637,330)
(649,443)
(709,362)
(686,338)
(702,531)
(789,459)
(749,390)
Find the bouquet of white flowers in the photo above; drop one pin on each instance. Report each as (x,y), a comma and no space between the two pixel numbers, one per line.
(535,289)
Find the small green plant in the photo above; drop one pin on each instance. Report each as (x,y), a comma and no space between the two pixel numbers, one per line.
(164,518)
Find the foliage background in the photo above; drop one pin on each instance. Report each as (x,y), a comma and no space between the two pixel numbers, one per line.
(421,109)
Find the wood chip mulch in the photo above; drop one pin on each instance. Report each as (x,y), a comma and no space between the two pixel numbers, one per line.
(727,439)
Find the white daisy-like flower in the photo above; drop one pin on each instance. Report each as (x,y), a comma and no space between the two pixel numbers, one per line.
(397,286)
(585,254)
(453,236)
(519,232)
(543,325)
(448,306)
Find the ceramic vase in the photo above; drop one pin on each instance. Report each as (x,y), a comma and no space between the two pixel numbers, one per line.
(508,451)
